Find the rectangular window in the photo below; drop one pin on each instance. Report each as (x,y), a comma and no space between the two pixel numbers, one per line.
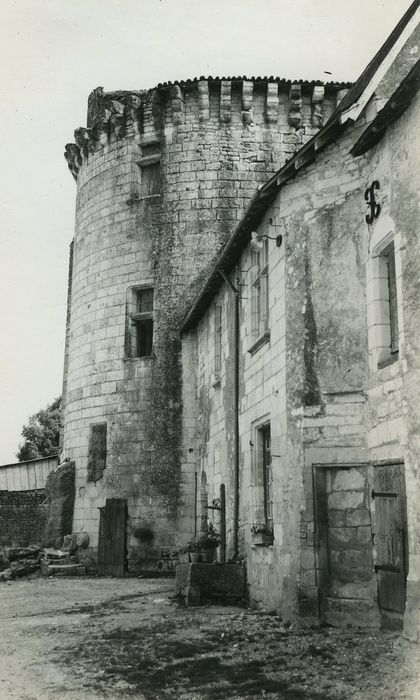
(150,172)
(141,323)
(97,452)
(267,472)
(259,293)
(384,331)
(217,340)
(264,477)
(150,179)
(392,289)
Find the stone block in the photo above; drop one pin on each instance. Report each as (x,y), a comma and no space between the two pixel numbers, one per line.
(341,536)
(364,535)
(353,613)
(336,518)
(361,516)
(199,582)
(348,480)
(351,558)
(343,500)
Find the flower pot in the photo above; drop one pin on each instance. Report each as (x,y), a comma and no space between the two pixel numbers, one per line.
(195,557)
(262,538)
(207,555)
(184,557)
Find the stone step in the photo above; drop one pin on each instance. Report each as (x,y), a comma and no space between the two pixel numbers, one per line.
(63,569)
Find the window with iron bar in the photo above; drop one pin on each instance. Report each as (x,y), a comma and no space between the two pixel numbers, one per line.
(217,340)
(259,293)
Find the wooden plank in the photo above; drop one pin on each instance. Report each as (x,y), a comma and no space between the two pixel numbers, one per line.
(112,538)
(321,534)
(31,471)
(390,536)
(24,478)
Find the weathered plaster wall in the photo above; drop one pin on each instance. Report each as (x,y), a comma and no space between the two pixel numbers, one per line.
(331,409)
(321,213)
(261,399)
(394,414)
(217,140)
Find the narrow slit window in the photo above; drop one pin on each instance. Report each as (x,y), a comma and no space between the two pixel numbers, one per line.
(150,171)
(266,465)
(259,292)
(393,307)
(141,323)
(150,179)
(96,452)
(218,340)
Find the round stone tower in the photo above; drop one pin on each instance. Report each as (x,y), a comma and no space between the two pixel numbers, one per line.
(163,176)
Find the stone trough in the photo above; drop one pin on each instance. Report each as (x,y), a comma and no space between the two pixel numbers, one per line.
(198,583)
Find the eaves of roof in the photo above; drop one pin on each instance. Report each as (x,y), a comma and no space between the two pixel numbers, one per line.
(365,77)
(266,194)
(392,110)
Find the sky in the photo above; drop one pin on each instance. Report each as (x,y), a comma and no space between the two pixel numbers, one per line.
(52,54)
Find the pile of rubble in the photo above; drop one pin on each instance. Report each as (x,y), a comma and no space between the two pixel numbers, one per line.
(16,562)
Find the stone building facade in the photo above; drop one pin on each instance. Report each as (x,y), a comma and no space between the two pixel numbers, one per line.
(305,342)
(261,339)
(162,176)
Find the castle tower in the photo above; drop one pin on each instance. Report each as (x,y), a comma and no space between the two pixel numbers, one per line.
(163,176)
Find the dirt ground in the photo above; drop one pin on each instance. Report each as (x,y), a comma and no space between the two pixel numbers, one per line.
(85,639)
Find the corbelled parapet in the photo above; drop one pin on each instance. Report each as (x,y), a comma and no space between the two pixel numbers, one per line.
(112,115)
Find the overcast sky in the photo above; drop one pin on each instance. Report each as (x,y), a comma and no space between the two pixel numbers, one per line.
(52,54)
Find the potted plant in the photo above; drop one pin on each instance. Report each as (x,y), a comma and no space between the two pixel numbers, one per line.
(208,542)
(262,534)
(194,552)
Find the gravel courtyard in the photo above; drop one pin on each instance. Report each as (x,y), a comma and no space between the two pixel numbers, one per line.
(82,639)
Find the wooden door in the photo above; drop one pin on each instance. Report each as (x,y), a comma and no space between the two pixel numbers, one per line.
(390,537)
(112,545)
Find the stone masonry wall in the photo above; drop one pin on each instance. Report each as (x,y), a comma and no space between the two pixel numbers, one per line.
(351,587)
(340,409)
(262,400)
(394,414)
(23,516)
(337,412)
(217,140)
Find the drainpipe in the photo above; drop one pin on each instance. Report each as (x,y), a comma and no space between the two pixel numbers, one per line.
(236,411)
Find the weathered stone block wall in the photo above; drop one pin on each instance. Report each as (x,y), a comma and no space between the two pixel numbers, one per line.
(60,493)
(394,413)
(217,140)
(351,586)
(334,408)
(261,399)
(329,291)
(23,516)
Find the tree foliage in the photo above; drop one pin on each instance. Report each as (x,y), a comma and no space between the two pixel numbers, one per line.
(41,433)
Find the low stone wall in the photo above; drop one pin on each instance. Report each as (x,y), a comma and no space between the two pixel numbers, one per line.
(23,516)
